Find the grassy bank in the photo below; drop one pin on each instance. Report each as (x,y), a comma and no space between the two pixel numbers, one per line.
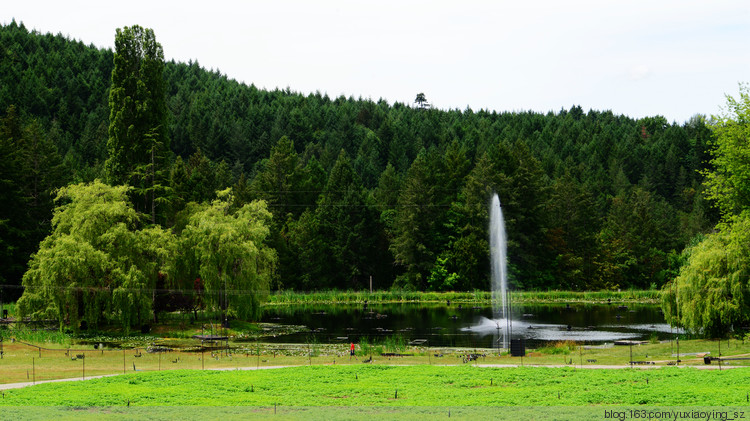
(478,297)
(472,297)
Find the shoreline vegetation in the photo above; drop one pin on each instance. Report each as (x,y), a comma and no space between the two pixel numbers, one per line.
(476,296)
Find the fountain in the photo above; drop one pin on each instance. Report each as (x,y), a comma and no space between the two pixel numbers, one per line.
(501,325)
(468,327)
(499,273)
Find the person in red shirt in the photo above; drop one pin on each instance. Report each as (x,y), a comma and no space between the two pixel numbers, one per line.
(351,350)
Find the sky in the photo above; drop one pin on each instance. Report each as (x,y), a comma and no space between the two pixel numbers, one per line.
(674,58)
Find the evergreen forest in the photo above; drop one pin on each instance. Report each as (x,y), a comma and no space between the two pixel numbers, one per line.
(356,190)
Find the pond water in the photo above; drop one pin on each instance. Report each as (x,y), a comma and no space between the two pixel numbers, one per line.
(470,326)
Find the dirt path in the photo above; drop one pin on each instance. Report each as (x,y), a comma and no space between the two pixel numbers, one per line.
(24,384)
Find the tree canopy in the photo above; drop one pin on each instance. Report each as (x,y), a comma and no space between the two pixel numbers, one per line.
(225,248)
(728,181)
(96,265)
(711,295)
(138,139)
(101,264)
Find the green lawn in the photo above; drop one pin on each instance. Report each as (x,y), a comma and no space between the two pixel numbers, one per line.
(22,362)
(390,392)
(381,385)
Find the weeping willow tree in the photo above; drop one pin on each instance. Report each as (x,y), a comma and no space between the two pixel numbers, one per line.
(711,295)
(97,265)
(225,248)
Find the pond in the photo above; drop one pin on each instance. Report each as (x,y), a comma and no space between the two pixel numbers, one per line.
(469,326)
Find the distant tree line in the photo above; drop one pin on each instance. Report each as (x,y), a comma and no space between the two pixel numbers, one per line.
(355,188)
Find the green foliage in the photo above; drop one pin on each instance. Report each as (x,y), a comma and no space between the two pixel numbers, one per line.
(379,346)
(728,182)
(414,223)
(32,169)
(440,279)
(138,143)
(226,249)
(279,180)
(476,296)
(95,265)
(345,232)
(38,336)
(712,294)
(635,236)
(572,233)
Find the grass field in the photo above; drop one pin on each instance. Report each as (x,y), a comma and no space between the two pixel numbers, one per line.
(382,385)
(325,384)
(23,362)
(47,361)
(380,391)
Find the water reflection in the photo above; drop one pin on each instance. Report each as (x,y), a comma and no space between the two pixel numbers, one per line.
(549,332)
(470,326)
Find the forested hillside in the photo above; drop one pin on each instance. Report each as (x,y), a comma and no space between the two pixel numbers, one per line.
(361,188)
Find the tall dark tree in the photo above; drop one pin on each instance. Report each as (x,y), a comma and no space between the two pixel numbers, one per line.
(571,236)
(138,144)
(347,226)
(421,100)
(470,250)
(281,184)
(635,238)
(32,169)
(12,200)
(413,225)
(277,182)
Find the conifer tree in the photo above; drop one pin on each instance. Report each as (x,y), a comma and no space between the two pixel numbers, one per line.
(138,144)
